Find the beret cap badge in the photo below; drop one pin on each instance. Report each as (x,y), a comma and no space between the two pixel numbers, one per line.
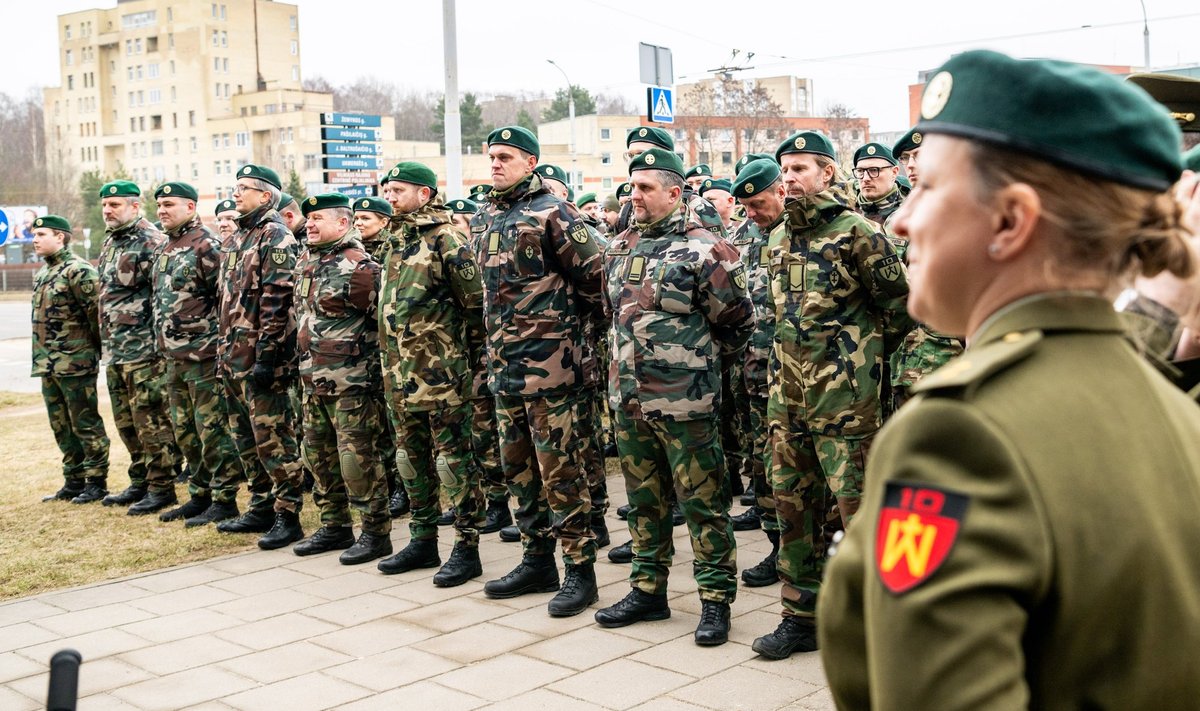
(800,142)
(166,190)
(506,134)
(649,160)
(936,95)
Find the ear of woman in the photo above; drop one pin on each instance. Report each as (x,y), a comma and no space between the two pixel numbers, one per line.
(1018,213)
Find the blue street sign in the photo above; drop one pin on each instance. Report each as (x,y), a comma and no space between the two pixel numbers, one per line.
(661,102)
(357,191)
(335,133)
(4,227)
(351,149)
(356,120)
(350,163)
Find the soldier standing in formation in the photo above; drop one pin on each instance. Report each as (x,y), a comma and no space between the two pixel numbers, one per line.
(66,352)
(879,194)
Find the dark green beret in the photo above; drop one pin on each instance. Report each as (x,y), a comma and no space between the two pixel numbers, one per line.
(806,142)
(284,199)
(570,194)
(902,181)
(908,142)
(411,172)
(755,177)
(1067,114)
(875,150)
(517,137)
(261,173)
(373,204)
(1181,96)
(182,190)
(624,189)
(481,189)
(324,201)
(716,184)
(552,172)
(741,162)
(657,159)
(225,206)
(1191,159)
(120,188)
(585,199)
(464,206)
(651,134)
(698,170)
(53,222)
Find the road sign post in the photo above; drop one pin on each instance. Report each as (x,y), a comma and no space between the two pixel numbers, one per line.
(660,104)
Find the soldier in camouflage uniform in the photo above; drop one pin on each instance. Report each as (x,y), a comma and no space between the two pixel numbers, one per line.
(677,294)
(337,338)
(256,354)
(876,170)
(642,140)
(371,217)
(186,269)
(541,269)
(696,176)
(431,320)
(66,350)
(838,287)
(134,369)
(226,214)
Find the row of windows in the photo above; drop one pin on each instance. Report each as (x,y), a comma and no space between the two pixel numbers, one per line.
(134,46)
(89,153)
(221,140)
(85,30)
(87,128)
(87,55)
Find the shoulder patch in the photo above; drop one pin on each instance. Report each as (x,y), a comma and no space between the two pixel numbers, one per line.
(466,271)
(579,233)
(889,268)
(917,527)
(88,287)
(977,364)
(739,277)
(279,256)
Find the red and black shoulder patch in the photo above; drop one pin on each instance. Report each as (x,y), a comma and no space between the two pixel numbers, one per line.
(918,526)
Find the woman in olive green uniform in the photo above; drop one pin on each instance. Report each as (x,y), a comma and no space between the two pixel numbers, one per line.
(1029,535)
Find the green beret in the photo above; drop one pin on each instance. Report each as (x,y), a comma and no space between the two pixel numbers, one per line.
(53,222)
(284,199)
(552,172)
(261,173)
(905,185)
(624,189)
(481,189)
(755,177)
(741,162)
(698,170)
(657,159)
(413,173)
(1067,114)
(1181,96)
(464,206)
(1191,159)
(120,188)
(875,150)
(182,190)
(373,204)
(225,206)
(651,134)
(612,203)
(585,199)
(908,142)
(516,137)
(324,201)
(806,142)
(716,184)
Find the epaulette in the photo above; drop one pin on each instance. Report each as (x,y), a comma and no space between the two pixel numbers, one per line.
(978,364)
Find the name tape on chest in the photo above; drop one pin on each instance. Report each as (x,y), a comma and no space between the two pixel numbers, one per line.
(917,527)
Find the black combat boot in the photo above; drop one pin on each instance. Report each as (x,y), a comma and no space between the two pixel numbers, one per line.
(194,507)
(535,573)
(578,591)
(794,634)
(219,511)
(637,606)
(623,512)
(132,494)
(253,521)
(154,501)
(368,547)
(447,517)
(92,491)
(622,553)
(498,516)
(286,530)
(677,518)
(510,534)
(714,624)
(327,538)
(749,497)
(462,565)
(417,554)
(68,492)
(600,530)
(767,572)
(748,520)
(399,505)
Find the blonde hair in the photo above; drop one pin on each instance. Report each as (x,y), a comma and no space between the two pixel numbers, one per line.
(1124,231)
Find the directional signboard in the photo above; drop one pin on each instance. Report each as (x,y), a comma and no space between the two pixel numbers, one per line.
(340,133)
(351,177)
(350,162)
(360,120)
(350,149)
(661,104)
(357,191)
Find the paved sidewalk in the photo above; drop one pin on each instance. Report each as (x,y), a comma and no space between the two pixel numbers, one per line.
(269,630)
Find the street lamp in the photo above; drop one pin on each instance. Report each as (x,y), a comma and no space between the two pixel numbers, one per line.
(570,112)
(1145,35)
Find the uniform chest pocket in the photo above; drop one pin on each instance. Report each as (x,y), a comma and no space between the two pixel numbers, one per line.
(675,287)
(834,279)
(330,299)
(527,258)
(338,348)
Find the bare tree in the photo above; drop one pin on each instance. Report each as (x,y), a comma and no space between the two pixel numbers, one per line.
(730,115)
(842,130)
(614,105)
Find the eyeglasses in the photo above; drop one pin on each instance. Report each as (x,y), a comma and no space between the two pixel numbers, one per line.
(239,189)
(861,173)
(630,155)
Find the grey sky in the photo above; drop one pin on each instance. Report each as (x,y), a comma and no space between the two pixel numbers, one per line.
(860,53)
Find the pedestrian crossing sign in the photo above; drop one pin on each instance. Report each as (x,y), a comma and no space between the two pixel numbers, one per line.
(661,102)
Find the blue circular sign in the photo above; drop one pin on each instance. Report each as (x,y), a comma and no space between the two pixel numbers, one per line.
(5,227)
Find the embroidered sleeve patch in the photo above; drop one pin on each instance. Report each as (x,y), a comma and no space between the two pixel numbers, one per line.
(917,527)
(888,268)
(279,256)
(579,233)
(739,277)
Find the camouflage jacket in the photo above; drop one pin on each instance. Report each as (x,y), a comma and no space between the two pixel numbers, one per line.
(838,286)
(337,335)
(186,268)
(66,332)
(257,319)
(923,350)
(677,294)
(126,304)
(880,211)
(751,244)
(541,279)
(430,311)
(703,210)
(377,245)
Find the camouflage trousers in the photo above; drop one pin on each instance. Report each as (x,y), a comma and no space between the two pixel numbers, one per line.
(539,447)
(485,439)
(760,462)
(140,415)
(339,449)
(201,421)
(656,457)
(77,426)
(734,422)
(592,449)
(817,483)
(263,426)
(385,442)
(434,447)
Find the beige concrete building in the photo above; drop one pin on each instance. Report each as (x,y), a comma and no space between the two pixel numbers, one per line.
(792,93)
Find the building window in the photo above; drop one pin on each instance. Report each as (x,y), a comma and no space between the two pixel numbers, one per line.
(228,168)
(226,91)
(216,141)
(218,91)
(195,145)
(605,134)
(132,124)
(225,65)
(606,159)
(67,28)
(242,139)
(224,38)
(156,122)
(726,157)
(172,95)
(152,71)
(216,64)
(128,47)
(170,15)
(222,12)
(192,119)
(311,162)
(156,148)
(132,99)
(151,44)
(225,140)
(137,45)
(295,46)
(703,157)
(216,38)
(291,23)
(171,41)
(606,183)
(141,123)
(295,73)
(70,58)
(141,98)
(216,167)
(156,96)
(214,10)
(679,134)
(195,171)
(138,71)
(70,82)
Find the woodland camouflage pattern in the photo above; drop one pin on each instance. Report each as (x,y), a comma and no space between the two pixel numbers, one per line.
(66,332)
(880,211)
(126,308)
(185,272)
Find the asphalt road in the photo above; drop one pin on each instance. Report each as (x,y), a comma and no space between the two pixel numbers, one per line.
(15,333)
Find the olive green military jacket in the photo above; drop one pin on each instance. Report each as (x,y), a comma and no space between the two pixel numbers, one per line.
(1029,535)
(751,244)
(126,293)
(66,330)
